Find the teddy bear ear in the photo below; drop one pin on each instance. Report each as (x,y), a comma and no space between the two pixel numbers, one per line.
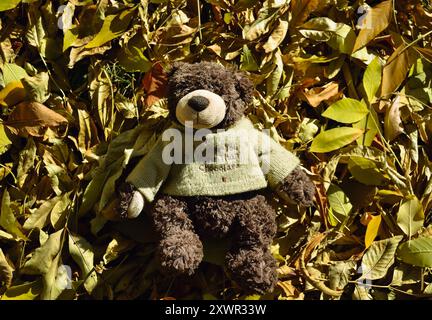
(244,86)
(174,67)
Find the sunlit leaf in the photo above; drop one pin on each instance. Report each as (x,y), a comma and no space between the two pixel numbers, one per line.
(8,4)
(379,258)
(417,252)
(372,230)
(8,220)
(113,26)
(396,69)
(365,171)
(334,139)
(25,291)
(376,21)
(339,203)
(346,110)
(410,217)
(82,253)
(372,79)
(43,257)
(12,94)
(33,118)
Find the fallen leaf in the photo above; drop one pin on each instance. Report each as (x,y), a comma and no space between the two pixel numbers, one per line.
(379,258)
(154,84)
(334,139)
(372,230)
(396,69)
(376,21)
(32,118)
(392,121)
(315,96)
(5,270)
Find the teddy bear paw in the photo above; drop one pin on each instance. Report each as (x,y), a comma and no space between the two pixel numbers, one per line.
(181,252)
(299,188)
(254,269)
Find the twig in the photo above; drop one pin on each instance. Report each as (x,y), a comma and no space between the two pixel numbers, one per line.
(320,285)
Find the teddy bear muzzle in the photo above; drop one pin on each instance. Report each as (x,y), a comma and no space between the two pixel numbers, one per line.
(201,109)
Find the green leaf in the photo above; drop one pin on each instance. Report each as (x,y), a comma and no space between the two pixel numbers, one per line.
(37,87)
(43,257)
(417,252)
(339,203)
(334,139)
(8,220)
(410,217)
(5,142)
(365,171)
(6,271)
(25,291)
(339,36)
(340,273)
(276,37)
(82,253)
(12,72)
(372,79)
(8,4)
(275,77)
(247,60)
(113,26)
(379,258)
(59,211)
(260,26)
(346,110)
(40,217)
(370,124)
(26,161)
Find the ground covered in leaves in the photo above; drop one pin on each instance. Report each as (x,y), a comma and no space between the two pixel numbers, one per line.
(346,85)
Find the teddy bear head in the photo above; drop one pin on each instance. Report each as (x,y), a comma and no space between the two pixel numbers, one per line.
(207,95)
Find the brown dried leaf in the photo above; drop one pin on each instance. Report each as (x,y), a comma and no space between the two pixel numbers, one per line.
(376,21)
(396,69)
(154,84)
(301,9)
(32,118)
(316,95)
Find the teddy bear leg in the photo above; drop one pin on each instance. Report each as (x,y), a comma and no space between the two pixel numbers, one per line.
(250,261)
(180,250)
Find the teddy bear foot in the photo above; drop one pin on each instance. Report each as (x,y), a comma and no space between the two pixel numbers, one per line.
(181,253)
(254,269)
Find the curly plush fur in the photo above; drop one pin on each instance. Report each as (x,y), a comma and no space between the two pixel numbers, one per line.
(299,188)
(246,217)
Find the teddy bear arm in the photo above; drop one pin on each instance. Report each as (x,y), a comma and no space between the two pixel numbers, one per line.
(298,188)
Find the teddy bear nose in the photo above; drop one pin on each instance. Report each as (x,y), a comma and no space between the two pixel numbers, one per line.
(198,103)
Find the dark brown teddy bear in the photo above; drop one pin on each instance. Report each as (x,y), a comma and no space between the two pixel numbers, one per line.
(192,198)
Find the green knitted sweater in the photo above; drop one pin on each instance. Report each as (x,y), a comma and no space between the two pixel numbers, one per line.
(237,160)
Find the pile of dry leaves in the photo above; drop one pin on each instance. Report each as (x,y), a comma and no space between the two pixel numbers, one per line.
(344,84)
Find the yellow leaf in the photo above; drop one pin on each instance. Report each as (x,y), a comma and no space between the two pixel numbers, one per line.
(372,230)
(12,94)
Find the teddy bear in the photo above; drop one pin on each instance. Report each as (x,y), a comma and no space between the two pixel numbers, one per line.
(206,176)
